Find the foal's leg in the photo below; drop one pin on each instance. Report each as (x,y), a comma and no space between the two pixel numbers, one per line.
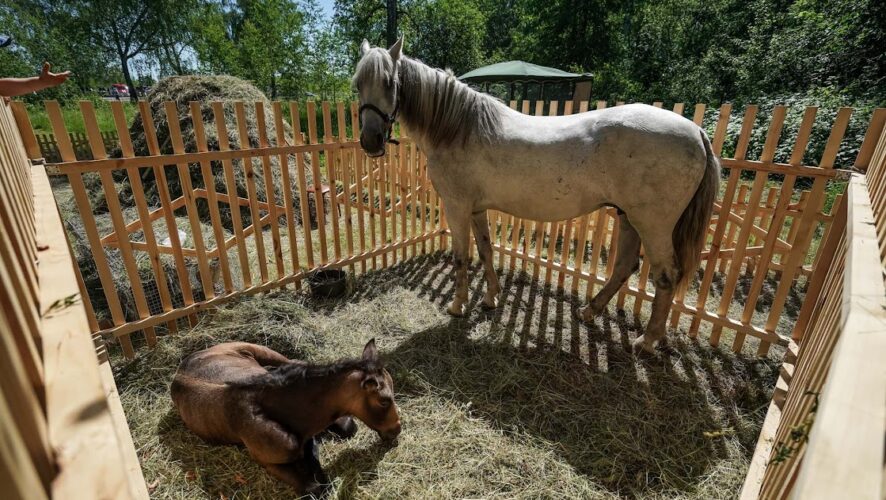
(627,261)
(269,443)
(342,428)
(266,356)
(484,249)
(460,225)
(284,455)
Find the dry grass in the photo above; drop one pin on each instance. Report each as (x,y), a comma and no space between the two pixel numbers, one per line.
(521,402)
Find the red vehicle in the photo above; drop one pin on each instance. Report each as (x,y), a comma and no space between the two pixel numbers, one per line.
(119,90)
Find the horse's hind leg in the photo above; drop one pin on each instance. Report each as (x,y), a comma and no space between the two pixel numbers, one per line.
(266,356)
(460,226)
(666,275)
(484,249)
(627,261)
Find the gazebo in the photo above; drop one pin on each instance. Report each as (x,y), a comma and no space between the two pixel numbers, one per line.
(513,72)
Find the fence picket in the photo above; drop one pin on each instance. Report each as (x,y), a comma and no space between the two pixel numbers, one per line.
(211,196)
(270,194)
(116,213)
(233,196)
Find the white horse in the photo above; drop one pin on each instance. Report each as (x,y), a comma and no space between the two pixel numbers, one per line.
(654,166)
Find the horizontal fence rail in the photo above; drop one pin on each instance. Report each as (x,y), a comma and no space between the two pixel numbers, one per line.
(225,199)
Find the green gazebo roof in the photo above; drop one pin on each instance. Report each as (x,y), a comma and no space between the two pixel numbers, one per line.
(521,71)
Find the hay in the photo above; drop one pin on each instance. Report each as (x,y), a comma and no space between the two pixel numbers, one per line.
(205,89)
(519,403)
(119,275)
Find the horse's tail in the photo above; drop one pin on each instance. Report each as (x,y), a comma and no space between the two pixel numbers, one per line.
(689,234)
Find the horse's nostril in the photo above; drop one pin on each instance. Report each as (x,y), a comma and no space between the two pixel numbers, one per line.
(379,138)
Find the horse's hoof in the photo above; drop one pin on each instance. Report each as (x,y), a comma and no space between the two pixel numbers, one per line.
(490,303)
(642,345)
(586,314)
(457,310)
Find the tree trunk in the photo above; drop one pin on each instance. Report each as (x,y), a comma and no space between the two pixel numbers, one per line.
(391,27)
(133,92)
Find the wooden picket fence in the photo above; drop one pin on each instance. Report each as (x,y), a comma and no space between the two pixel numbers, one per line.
(79,142)
(822,438)
(64,433)
(823,434)
(384,211)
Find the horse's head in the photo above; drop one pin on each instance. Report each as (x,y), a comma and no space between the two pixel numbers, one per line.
(378,86)
(375,404)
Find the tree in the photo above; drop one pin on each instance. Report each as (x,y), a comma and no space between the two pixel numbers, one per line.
(265,41)
(125,29)
(42,31)
(374,20)
(447,34)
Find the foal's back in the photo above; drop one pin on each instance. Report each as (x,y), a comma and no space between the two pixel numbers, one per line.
(205,389)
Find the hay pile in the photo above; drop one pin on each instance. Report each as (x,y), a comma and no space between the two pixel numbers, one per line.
(518,403)
(120,277)
(182,90)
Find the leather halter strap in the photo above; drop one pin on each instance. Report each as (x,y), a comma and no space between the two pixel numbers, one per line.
(389,119)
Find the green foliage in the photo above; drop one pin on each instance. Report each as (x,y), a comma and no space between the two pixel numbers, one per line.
(791,51)
(264,41)
(447,34)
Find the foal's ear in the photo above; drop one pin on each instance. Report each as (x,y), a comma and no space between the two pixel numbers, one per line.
(370,352)
(364,47)
(396,49)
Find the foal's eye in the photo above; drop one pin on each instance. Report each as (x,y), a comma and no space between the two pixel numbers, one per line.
(384,402)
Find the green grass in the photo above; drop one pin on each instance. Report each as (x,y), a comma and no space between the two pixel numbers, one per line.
(74,119)
(522,402)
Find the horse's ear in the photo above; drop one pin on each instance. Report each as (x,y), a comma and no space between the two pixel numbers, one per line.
(370,352)
(364,47)
(396,49)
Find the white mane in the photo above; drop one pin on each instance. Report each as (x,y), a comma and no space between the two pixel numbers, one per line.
(433,102)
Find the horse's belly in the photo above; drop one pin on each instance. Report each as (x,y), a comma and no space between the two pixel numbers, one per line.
(545,197)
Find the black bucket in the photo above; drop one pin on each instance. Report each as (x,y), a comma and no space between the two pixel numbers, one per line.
(329,283)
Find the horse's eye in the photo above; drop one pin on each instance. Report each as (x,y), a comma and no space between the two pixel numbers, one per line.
(384,402)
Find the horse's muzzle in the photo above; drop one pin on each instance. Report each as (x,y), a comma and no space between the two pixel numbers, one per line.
(390,435)
(373,144)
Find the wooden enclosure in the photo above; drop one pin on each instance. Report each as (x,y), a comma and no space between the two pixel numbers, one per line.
(823,435)
(782,230)
(762,243)
(64,434)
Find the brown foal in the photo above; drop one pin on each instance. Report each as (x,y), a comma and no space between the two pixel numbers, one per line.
(240,393)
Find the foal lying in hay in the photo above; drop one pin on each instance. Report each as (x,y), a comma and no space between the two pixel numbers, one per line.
(241,393)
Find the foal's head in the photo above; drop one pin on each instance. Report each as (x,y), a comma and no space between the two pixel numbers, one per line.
(377,83)
(374,402)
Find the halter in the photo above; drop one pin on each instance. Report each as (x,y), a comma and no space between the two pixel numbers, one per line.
(389,119)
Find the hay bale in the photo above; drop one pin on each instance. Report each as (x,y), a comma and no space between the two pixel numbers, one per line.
(120,277)
(182,90)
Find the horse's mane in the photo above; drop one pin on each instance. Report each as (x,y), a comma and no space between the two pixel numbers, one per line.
(433,102)
(299,373)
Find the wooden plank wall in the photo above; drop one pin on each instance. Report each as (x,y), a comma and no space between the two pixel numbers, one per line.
(824,434)
(50,377)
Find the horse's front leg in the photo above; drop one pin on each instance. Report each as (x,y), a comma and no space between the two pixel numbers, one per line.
(460,226)
(484,249)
